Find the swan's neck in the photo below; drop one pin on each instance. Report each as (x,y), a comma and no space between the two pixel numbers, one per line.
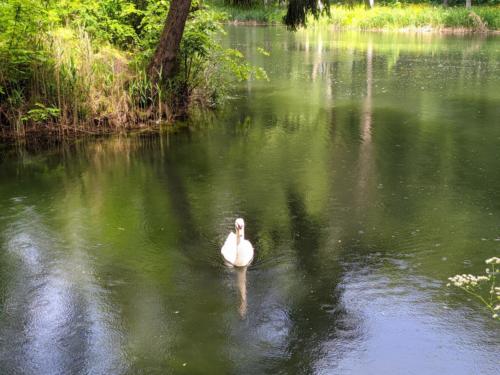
(240,236)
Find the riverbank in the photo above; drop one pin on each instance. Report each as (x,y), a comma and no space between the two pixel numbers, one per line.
(398,17)
(70,71)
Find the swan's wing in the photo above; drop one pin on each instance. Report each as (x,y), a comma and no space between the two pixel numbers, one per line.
(228,250)
(245,254)
(248,245)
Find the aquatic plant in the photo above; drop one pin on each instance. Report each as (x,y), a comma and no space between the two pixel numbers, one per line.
(476,285)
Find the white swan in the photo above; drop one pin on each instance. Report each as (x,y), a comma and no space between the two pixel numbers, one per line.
(236,250)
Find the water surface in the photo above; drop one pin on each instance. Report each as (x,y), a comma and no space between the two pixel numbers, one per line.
(367,171)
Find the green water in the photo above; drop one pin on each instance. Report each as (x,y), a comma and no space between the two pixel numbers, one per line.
(367,170)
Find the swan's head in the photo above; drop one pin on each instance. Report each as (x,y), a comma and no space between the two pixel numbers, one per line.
(239,224)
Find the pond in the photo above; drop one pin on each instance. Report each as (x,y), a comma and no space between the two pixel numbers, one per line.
(367,170)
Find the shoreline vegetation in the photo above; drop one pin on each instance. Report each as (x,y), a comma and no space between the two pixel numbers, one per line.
(78,67)
(396,17)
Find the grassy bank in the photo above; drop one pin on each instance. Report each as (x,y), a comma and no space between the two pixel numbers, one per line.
(387,17)
(417,17)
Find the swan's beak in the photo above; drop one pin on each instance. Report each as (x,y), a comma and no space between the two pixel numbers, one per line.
(239,224)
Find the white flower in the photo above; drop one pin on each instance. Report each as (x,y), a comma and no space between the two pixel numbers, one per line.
(493,260)
(465,280)
(470,283)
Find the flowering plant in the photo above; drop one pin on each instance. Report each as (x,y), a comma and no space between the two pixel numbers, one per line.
(473,285)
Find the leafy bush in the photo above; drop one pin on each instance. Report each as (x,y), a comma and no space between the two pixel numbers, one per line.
(205,67)
(41,114)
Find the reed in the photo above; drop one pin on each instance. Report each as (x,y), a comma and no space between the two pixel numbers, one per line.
(71,86)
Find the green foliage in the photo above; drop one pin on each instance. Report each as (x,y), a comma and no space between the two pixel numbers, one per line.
(416,16)
(263,52)
(113,21)
(83,62)
(259,14)
(206,69)
(41,114)
(205,64)
(391,15)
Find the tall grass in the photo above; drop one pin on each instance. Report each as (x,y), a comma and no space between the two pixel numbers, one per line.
(414,16)
(90,82)
(389,17)
(70,85)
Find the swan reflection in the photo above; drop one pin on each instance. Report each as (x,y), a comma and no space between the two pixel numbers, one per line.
(241,277)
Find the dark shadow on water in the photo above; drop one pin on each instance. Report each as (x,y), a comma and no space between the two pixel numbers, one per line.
(321,327)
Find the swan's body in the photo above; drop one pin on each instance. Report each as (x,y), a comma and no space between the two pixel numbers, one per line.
(239,255)
(236,250)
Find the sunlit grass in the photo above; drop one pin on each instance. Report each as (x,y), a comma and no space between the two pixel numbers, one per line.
(387,17)
(413,16)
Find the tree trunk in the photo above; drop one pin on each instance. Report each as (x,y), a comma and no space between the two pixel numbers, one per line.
(372,3)
(445,3)
(164,62)
(468,4)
